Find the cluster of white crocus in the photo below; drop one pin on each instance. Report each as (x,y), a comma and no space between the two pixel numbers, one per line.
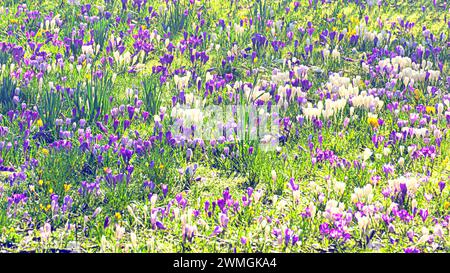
(214,37)
(370,36)
(364,194)
(122,59)
(189,116)
(231,88)
(212,47)
(402,62)
(269,141)
(333,107)
(382,64)
(434,75)
(427,65)
(301,71)
(50,25)
(407,70)
(130,93)
(332,208)
(89,50)
(280,77)
(139,66)
(367,101)
(190,98)
(113,39)
(412,184)
(315,188)
(336,80)
(312,112)
(155,36)
(410,76)
(257,194)
(346,92)
(187,221)
(365,67)
(3,68)
(295,92)
(363,221)
(239,29)
(387,151)
(256,94)
(447,103)
(209,77)
(234,51)
(367,153)
(280,205)
(427,236)
(329,110)
(440,106)
(289,62)
(279,25)
(335,54)
(356,81)
(79,67)
(362,31)
(339,187)
(343,85)
(326,52)
(417,132)
(120,231)
(394,64)
(182,82)
(73,2)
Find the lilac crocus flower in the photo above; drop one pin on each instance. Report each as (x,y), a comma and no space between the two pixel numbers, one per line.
(217,231)
(292,184)
(223,220)
(441,185)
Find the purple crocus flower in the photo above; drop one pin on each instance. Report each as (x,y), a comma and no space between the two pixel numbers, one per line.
(423,214)
(106,223)
(164,189)
(126,124)
(412,250)
(217,231)
(131,110)
(160,225)
(324,228)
